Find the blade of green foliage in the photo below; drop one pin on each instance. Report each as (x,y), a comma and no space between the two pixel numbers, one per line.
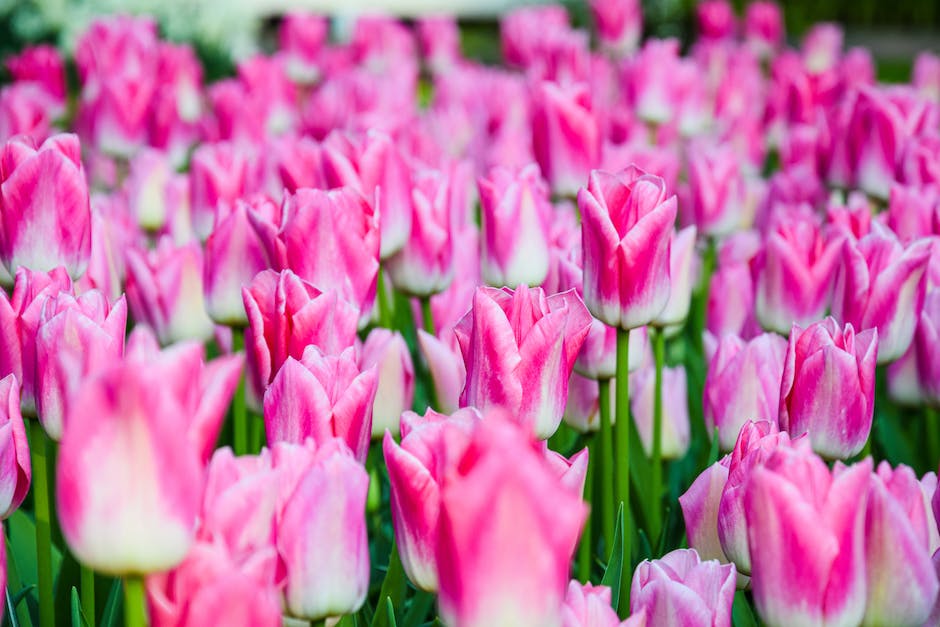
(112,609)
(614,572)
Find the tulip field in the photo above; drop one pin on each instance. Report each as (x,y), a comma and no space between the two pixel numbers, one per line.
(621,331)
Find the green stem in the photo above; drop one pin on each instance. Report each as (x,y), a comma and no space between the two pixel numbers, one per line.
(88,593)
(386,315)
(701,311)
(586,548)
(605,499)
(656,474)
(43,526)
(933,436)
(622,452)
(135,608)
(427,315)
(239,413)
(15,584)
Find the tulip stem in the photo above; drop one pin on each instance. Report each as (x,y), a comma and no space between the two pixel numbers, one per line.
(586,548)
(622,451)
(933,436)
(239,415)
(606,498)
(427,315)
(656,474)
(88,593)
(386,315)
(43,526)
(135,609)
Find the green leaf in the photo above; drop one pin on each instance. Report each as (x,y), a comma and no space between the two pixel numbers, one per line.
(10,608)
(78,618)
(713,451)
(420,604)
(394,588)
(112,609)
(19,596)
(741,613)
(390,612)
(614,572)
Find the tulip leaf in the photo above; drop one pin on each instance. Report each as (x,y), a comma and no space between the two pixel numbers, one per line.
(713,452)
(112,608)
(78,618)
(614,572)
(390,612)
(741,613)
(420,604)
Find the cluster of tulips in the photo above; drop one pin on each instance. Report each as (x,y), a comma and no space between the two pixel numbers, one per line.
(372,333)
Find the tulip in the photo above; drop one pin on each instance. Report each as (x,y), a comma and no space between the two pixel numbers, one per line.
(675,426)
(213,585)
(45,214)
(925,75)
(439,41)
(912,212)
(119,515)
(756,441)
(881,285)
(500,338)
(565,135)
(805,526)
(75,338)
(40,65)
(515,217)
(242,244)
(700,510)
(19,319)
(743,383)
(873,139)
(902,582)
(218,173)
(588,606)
(716,20)
(345,254)
(717,189)
(522,30)
(682,270)
(598,356)
(416,471)
(178,105)
(619,24)
(763,27)
(285,315)
(651,81)
(493,518)
(828,387)
(322,397)
(327,573)
(15,468)
(387,352)
(915,378)
(25,110)
(681,589)
(302,38)
(165,291)
(582,411)
(794,276)
(447,370)
(730,306)
(627,228)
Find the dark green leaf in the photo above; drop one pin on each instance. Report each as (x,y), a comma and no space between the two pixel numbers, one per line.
(390,612)
(713,451)
(78,619)
(614,572)
(741,613)
(112,609)
(420,605)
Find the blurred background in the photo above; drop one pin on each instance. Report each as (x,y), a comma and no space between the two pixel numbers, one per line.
(224,31)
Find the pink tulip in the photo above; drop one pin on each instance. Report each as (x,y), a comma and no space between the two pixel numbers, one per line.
(675,409)
(874,138)
(717,189)
(627,228)
(763,27)
(794,275)
(147,186)
(15,468)
(682,279)
(416,471)
(700,510)
(20,315)
(743,383)
(915,377)
(302,38)
(321,536)
(755,443)
(522,30)
(332,241)
(425,265)
(218,173)
(806,527)
(730,306)
(651,88)
(45,214)
(41,65)
(619,24)
(716,20)
(178,104)
(515,218)
(446,366)
(119,515)
(680,589)
(828,387)
(387,352)
(881,285)
(519,348)
(913,212)
(75,338)
(322,397)
(25,109)
(439,41)
(565,136)
(165,291)
(503,548)
(902,581)
(588,606)
(285,315)
(241,245)
(598,356)
(925,75)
